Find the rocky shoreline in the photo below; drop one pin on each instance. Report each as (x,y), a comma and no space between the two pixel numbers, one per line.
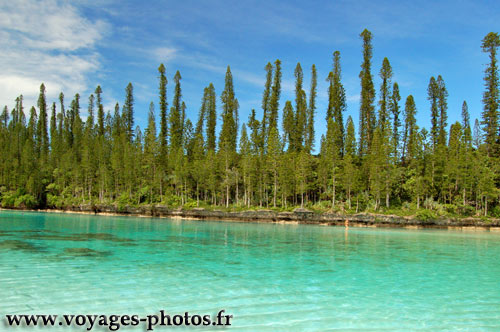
(298,216)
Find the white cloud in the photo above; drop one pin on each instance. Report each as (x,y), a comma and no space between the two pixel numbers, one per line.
(353,98)
(45,41)
(164,54)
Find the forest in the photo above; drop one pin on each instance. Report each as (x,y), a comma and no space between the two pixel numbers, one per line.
(51,158)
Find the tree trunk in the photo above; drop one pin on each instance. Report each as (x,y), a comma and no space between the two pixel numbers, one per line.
(197,195)
(333,188)
(161,190)
(275,187)
(260,191)
(485,206)
(349,197)
(237,190)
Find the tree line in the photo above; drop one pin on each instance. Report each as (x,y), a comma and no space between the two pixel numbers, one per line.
(51,158)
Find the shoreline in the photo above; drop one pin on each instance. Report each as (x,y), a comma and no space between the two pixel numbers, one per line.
(298,216)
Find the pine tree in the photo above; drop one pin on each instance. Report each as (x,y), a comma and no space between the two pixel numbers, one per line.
(477,135)
(349,174)
(367,109)
(466,154)
(211,117)
(32,129)
(274,102)
(229,130)
(151,151)
(246,165)
(128,110)
(175,118)
(274,155)
(466,123)
(337,100)
(433,96)
(375,164)
(163,110)
(184,123)
(76,128)
(300,117)
(491,96)
(90,111)
(396,123)
(410,130)
(88,161)
(309,137)
(202,114)
(53,129)
(66,122)
(4,118)
(383,155)
(333,155)
(100,111)
(266,97)
(289,125)
(386,76)
(443,107)
(119,137)
(255,160)
(199,172)
(453,171)
(42,132)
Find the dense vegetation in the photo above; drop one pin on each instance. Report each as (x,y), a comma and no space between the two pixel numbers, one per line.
(52,158)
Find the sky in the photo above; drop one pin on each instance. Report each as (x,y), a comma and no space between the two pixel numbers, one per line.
(73,46)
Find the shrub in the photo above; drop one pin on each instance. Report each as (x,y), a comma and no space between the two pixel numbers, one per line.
(495,212)
(466,210)
(190,204)
(172,201)
(451,208)
(26,201)
(8,200)
(55,201)
(426,215)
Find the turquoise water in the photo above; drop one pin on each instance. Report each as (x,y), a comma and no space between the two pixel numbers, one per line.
(270,277)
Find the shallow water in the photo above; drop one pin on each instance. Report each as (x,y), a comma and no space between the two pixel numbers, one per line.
(270,277)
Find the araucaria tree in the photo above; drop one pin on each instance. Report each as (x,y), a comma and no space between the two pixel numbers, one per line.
(367,117)
(491,96)
(62,153)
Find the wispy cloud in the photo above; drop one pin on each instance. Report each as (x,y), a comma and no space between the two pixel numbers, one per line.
(48,42)
(353,98)
(164,53)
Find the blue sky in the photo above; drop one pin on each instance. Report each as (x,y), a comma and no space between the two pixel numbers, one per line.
(75,45)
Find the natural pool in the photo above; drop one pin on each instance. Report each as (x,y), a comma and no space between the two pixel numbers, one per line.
(271,277)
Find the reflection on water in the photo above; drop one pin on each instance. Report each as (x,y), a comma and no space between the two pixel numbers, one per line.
(270,277)
(20,245)
(85,252)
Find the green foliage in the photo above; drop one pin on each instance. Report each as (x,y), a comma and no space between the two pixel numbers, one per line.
(367,116)
(26,201)
(395,166)
(426,215)
(18,199)
(495,212)
(491,96)
(8,200)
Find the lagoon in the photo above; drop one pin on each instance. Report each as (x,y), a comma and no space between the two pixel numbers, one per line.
(270,277)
